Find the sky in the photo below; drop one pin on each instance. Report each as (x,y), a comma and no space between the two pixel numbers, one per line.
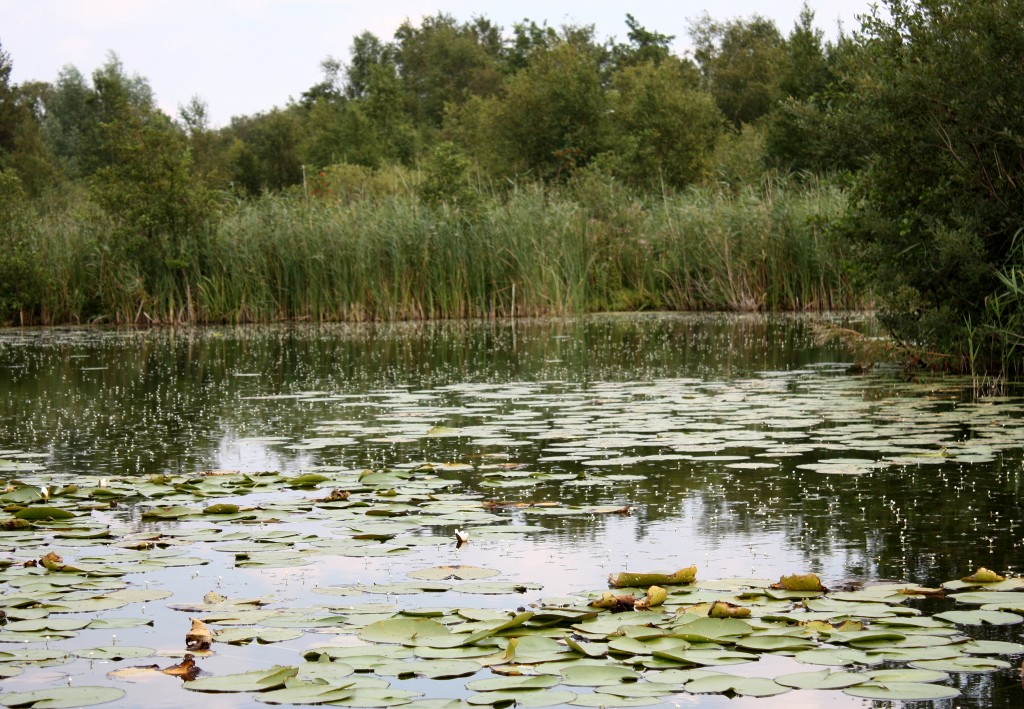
(246,56)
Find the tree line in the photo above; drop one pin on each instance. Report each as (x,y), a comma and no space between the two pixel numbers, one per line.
(916,116)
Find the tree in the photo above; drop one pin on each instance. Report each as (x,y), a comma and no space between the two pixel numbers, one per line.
(663,129)
(742,63)
(442,62)
(939,208)
(161,212)
(552,117)
(644,45)
(22,149)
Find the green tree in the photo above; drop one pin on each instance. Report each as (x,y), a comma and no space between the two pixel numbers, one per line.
(265,152)
(742,62)
(940,205)
(644,45)
(552,118)
(161,211)
(21,142)
(442,62)
(21,274)
(663,128)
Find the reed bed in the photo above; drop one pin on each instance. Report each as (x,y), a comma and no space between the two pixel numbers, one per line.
(529,251)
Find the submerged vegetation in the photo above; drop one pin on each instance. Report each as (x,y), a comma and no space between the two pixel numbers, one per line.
(461,169)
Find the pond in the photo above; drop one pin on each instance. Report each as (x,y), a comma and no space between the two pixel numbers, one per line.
(298,490)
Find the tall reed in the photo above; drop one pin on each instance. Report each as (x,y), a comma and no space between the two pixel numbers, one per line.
(531,250)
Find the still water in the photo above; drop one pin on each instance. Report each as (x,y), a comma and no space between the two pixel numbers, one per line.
(737,443)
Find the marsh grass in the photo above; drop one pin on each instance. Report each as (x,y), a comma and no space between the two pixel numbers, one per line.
(530,250)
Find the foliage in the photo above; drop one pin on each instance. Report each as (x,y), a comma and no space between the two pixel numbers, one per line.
(21,275)
(742,62)
(938,208)
(662,131)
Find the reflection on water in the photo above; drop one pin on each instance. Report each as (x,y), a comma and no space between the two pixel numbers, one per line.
(738,443)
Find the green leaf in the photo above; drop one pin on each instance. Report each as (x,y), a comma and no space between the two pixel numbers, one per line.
(962,664)
(980,617)
(744,686)
(62,697)
(902,691)
(822,679)
(597,675)
(39,514)
(115,652)
(255,681)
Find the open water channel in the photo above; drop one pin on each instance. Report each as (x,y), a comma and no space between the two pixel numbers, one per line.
(313,479)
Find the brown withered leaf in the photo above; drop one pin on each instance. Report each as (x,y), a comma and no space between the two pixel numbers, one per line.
(335,495)
(199,637)
(187,669)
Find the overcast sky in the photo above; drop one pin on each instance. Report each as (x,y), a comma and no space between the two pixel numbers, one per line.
(246,56)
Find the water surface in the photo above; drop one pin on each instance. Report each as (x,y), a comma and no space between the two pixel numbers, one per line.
(737,443)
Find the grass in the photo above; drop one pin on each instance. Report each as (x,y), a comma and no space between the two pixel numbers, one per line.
(587,246)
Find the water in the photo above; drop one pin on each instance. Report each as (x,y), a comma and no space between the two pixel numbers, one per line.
(737,443)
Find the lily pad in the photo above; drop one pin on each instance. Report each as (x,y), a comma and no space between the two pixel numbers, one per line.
(743,686)
(459,573)
(61,697)
(255,681)
(902,691)
(822,679)
(597,675)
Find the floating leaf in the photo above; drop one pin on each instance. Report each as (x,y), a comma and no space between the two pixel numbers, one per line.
(199,636)
(255,681)
(62,697)
(597,675)
(980,617)
(459,573)
(962,664)
(627,579)
(494,684)
(800,582)
(983,575)
(902,691)
(40,514)
(306,693)
(822,679)
(115,652)
(403,631)
(743,686)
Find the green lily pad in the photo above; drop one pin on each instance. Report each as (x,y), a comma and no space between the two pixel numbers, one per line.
(114,652)
(512,683)
(255,681)
(992,647)
(905,675)
(306,693)
(530,699)
(822,679)
(962,664)
(432,669)
(902,691)
(743,686)
(597,675)
(61,697)
(1000,599)
(980,617)
(459,573)
(601,699)
(774,643)
(403,631)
